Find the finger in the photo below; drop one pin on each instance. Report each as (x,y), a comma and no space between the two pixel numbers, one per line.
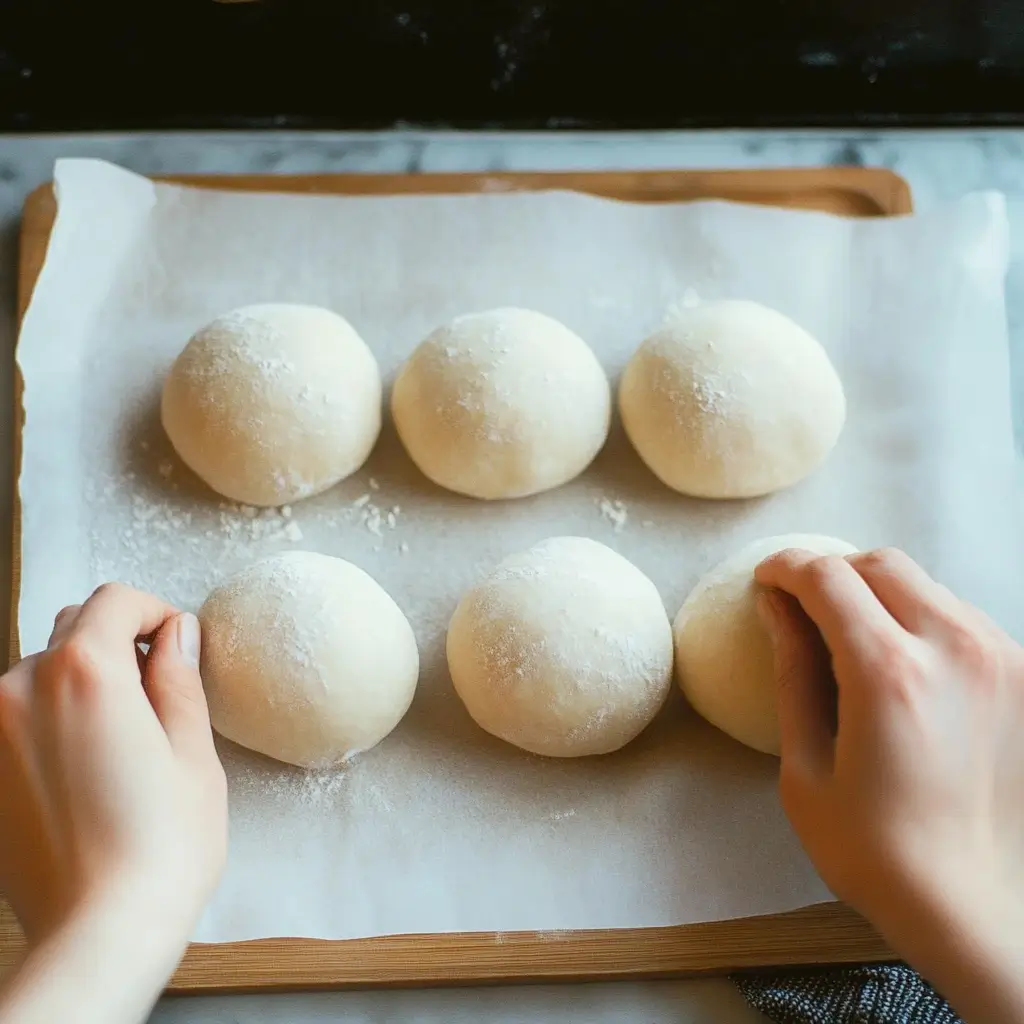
(62,623)
(25,808)
(17,738)
(909,594)
(835,598)
(120,614)
(806,689)
(175,688)
(18,678)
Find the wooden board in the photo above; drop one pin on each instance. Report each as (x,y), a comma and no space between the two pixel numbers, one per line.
(824,934)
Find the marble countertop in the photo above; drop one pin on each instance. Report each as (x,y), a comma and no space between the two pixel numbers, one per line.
(939,165)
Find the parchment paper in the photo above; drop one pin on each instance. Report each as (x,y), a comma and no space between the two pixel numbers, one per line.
(442,827)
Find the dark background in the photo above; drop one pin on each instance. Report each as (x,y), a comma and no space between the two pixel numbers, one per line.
(76,64)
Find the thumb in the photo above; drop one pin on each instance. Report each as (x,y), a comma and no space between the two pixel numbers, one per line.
(803,677)
(174,686)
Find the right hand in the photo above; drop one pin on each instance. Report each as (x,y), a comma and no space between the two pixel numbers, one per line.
(112,801)
(902,722)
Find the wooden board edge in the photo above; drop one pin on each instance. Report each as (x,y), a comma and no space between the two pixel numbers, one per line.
(38,212)
(801,938)
(859,191)
(13,633)
(878,190)
(817,936)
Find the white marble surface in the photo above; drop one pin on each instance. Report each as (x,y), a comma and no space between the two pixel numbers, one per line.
(939,165)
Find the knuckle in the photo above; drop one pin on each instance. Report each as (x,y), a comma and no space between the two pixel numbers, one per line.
(823,570)
(887,560)
(12,713)
(784,556)
(901,669)
(975,653)
(70,664)
(191,709)
(109,590)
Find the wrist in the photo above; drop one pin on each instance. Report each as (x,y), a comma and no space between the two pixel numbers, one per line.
(967,939)
(131,908)
(119,900)
(107,960)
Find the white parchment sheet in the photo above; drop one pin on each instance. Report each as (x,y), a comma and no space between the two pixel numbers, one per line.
(442,827)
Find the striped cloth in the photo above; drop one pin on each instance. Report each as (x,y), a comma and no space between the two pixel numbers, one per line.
(890,994)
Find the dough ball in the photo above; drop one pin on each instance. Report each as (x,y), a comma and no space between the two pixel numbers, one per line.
(273,403)
(731,400)
(724,658)
(502,404)
(306,659)
(563,650)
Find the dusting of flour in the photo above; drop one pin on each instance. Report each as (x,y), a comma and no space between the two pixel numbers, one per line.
(180,547)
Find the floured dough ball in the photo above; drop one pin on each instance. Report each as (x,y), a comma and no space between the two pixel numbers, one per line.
(273,403)
(305,658)
(731,400)
(563,650)
(502,404)
(724,658)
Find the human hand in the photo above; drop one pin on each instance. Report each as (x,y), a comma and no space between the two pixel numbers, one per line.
(113,800)
(904,779)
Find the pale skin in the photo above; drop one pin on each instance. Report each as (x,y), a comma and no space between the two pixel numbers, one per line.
(113,809)
(902,772)
(913,811)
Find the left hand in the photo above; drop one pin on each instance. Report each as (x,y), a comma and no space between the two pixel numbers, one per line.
(113,799)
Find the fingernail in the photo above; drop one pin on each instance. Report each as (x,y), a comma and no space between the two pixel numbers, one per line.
(189,638)
(766,605)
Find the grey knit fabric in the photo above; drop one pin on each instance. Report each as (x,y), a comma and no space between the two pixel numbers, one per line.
(890,994)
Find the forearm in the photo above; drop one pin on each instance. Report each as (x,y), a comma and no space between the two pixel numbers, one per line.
(973,956)
(107,965)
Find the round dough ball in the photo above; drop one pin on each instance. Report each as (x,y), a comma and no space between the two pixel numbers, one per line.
(273,403)
(502,404)
(305,658)
(731,400)
(563,650)
(724,658)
